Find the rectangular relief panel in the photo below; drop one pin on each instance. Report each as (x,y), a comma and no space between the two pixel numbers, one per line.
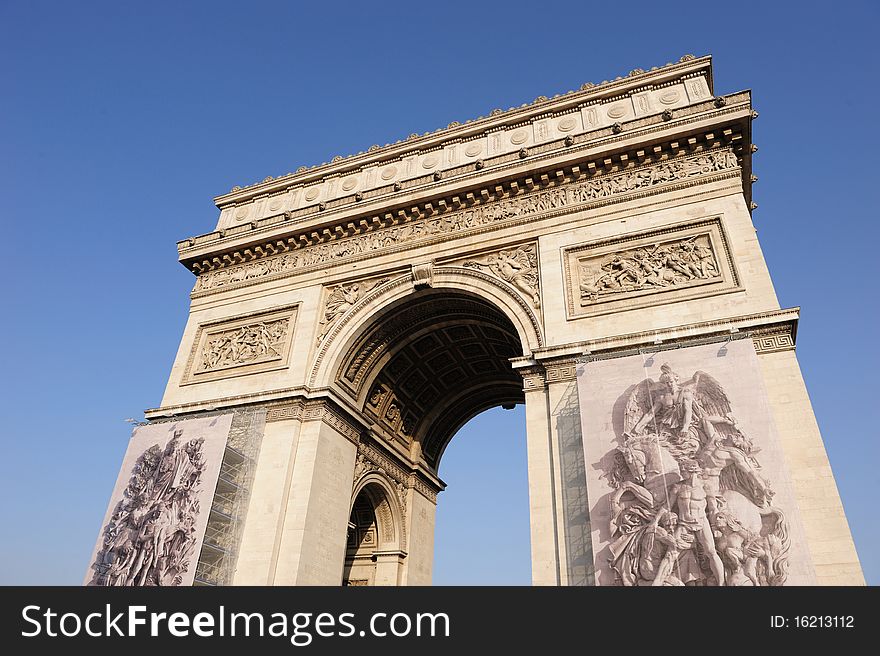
(247,344)
(671,264)
(155,523)
(687,481)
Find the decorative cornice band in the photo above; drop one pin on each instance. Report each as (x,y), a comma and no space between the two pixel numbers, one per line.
(780,339)
(548,199)
(326,411)
(284,412)
(687,67)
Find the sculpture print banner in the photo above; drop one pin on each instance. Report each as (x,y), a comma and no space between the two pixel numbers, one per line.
(154,526)
(687,483)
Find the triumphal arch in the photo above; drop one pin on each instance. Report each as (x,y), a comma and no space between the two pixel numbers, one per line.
(590,255)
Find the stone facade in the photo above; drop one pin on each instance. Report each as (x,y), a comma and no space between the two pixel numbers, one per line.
(374,304)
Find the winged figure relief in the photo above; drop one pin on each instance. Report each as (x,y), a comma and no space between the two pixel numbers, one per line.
(151,537)
(518,267)
(690,504)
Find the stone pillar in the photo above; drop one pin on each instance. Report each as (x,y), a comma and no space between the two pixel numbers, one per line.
(828,536)
(312,534)
(419,562)
(270,492)
(572,518)
(389,567)
(542,481)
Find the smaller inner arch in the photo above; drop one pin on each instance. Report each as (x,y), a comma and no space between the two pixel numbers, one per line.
(373,551)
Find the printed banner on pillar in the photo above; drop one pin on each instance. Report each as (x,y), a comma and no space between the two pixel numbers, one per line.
(686,479)
(153,529)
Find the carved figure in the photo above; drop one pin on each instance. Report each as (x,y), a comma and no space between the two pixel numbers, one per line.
(689,498)
(250,343)
(340,301)
(667,534)
(518,267)
(689,503)
(656,266)
(150,539)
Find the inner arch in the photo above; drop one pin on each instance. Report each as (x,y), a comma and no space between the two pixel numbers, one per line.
(429,363)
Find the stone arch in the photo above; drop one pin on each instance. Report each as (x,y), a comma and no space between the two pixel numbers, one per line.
(383,495)
(494,291)
(375,546)
(419,363)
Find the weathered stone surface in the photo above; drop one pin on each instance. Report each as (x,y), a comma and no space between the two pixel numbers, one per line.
(374,304)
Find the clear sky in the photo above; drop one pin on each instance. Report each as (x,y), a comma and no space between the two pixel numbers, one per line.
(120,121)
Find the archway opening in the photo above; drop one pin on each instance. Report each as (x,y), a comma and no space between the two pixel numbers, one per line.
(421,369)
(426,365)
(481,533)
(373,555)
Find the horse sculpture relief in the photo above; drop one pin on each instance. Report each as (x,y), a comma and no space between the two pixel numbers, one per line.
(690,505)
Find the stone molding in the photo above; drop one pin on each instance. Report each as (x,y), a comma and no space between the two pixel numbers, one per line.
(422,275)
(770,322)
(774,340)
(770,338)
(531,199)
(534,378)
(641,93)
(373,460)
(329,413)
(376,459)
(422,488)
(285,412)
(348,211)
(562,371)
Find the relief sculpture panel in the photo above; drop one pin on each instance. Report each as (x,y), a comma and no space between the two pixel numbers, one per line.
(154,527)
(660,266)
(237,346)
(516,266)
(686,479)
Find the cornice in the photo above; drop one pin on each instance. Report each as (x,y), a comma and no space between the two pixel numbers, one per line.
(637,79)
(429,194)
(756,326)
(424,225)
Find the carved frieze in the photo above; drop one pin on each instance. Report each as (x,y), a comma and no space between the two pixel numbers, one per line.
(777,341)
(284,412)
(456,223)
(516,266)
(533,379)
(249,344)
(243,345)
(675,263)
(326,412)
(660,266)
(561,371)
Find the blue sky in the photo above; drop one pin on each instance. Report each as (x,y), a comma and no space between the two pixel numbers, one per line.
(121,121)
